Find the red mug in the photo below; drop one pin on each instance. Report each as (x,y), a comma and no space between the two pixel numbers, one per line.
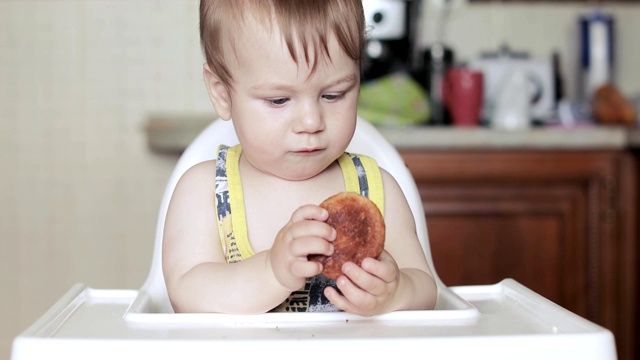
(462,94)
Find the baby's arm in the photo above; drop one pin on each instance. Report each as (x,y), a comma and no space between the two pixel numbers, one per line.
(197,277)
(401,278)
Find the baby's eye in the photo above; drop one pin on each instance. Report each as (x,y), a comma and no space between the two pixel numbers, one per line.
(333,97)
(278,101)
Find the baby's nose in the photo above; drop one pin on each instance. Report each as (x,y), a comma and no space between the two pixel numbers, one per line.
(310,120)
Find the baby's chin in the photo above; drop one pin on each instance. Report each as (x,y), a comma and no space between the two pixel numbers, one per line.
(294,174)
(299,176)
(305,170)
(297,166)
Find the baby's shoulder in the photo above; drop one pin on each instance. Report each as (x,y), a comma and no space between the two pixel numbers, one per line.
(193,186)
(203,171)
(391,186)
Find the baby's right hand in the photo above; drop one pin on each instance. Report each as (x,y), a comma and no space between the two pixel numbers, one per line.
(305,234)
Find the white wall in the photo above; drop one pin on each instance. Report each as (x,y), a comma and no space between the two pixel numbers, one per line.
(78,79)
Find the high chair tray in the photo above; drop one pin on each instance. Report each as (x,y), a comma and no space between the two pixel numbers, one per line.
(507,321)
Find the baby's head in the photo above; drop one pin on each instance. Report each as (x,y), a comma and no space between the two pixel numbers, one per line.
(305,26)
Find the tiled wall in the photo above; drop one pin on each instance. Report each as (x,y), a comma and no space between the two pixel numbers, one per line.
(80,192)
(78,79)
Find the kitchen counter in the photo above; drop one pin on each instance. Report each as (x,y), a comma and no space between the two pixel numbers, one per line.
(445,138)
(171,134)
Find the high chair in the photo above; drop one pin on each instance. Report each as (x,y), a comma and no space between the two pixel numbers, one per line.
(499,321)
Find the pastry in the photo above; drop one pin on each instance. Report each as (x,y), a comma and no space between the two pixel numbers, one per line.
(360,231)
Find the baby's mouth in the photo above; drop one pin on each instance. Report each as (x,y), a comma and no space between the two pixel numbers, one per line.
(309,151)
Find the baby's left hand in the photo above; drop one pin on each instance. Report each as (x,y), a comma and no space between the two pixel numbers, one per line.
(367,290)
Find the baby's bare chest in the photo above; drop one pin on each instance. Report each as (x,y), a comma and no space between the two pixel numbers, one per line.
(267,215)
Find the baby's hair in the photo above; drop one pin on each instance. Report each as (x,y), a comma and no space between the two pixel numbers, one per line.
(303,23)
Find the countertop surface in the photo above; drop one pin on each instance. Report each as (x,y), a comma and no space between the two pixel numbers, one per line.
(172,135)
(449,138)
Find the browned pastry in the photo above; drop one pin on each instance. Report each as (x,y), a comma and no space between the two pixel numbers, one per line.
(360,232)
(611,108)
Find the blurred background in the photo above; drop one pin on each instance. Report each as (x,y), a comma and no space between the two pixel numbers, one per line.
(80,81)
(80,188)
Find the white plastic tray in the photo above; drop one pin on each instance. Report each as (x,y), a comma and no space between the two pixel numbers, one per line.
(501,321)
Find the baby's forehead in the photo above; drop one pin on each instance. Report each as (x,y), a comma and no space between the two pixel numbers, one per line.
(258,35)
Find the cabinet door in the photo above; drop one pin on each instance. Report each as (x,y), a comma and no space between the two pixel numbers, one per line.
(483,233)
(559,222)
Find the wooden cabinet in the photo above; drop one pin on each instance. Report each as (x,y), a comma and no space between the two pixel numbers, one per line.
(560,222)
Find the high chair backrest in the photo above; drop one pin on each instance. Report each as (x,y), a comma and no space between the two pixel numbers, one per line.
(366,140)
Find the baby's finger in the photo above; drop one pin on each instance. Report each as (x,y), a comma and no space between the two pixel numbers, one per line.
(338,300)
(385,268)
(361,281)
(310,245)
(352,298)
(381,270)
(308,228)
(309,212)
(305,269)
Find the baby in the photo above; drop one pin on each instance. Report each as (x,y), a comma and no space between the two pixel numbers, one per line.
(240,229)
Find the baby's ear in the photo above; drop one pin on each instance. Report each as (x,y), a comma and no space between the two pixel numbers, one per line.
(218,93)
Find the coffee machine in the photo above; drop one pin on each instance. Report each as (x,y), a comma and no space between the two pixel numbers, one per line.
(391,26)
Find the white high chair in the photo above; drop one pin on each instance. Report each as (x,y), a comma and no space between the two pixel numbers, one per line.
(500,321)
